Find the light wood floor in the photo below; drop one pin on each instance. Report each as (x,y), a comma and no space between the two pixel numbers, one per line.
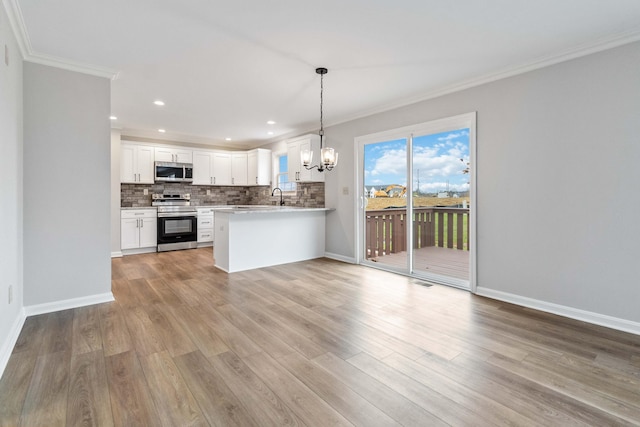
(316,343)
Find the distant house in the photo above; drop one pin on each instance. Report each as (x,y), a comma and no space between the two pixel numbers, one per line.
(443,194)
(372,193)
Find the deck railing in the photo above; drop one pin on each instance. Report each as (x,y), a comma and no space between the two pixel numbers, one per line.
(445,227)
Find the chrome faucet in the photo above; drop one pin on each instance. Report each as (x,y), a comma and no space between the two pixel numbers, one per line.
(273,192)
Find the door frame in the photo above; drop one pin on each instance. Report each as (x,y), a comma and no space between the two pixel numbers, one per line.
(467,120)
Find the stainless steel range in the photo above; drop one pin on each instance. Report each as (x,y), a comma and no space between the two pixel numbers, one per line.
(177,222)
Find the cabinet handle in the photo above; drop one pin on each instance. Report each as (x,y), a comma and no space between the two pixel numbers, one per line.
(214,179)
(256,179)
(142,223)
(233,180)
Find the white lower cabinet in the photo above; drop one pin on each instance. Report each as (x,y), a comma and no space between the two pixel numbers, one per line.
(138,230)
(205,226)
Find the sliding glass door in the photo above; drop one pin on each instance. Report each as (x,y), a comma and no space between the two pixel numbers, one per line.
(385,177)
(415,213)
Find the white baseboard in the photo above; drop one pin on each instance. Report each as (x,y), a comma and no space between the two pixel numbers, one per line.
(139,251)
(338,257)
(562,310)
(10,342)
(116,254)
(50,307)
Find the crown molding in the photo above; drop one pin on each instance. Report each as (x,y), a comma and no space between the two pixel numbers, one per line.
(181,139)
(17,25)
(70,65)
(602,44)
(16,21)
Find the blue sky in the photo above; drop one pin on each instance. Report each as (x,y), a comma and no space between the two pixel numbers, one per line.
(436,157)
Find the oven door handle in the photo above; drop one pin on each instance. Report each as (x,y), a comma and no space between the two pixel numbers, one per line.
(177,214)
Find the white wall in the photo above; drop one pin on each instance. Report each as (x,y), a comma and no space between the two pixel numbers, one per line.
(115,193)
(10,191)
(67,213)
(557,170)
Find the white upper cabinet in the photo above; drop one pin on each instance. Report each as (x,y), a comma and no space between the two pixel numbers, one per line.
(202,165)
(173,154)
(221,168)
(259,166)
(136,163)
(239,168)
(210,167)
(297,172)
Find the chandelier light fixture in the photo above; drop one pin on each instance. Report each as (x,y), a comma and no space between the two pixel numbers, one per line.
(328,156)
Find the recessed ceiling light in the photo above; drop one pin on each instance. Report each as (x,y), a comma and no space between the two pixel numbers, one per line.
(271,122)
(158,102)
(269,133)
(227,139)
(113,118)
(161,130)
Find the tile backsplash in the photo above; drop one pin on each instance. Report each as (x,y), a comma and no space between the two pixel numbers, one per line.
(309,195)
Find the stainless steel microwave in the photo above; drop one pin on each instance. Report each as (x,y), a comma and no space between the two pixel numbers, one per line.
(173,172)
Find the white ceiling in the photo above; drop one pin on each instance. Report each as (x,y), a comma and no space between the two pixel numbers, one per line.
(224,68)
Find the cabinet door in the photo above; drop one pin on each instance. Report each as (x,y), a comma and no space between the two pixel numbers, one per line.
(183,156)
(239,169)
(148,232)
(128,173)
(221,169)
(164,155)
(293,161)
(173,155)
(145,159)
(252,168)
(129,233)
(259,167)
(305,174)
(202,169)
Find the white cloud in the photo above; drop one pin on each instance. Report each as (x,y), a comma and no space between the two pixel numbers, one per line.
(450,137)
(392,162)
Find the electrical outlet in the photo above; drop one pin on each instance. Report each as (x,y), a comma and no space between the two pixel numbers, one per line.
(345,191)
(208,192)
(145,191)
(10,294)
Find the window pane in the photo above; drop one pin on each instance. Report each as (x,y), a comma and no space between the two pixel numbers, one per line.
(283,164)
(282,178)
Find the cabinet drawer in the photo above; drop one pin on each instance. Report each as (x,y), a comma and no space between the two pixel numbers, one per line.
(205,222)
(205,235)
(138,213)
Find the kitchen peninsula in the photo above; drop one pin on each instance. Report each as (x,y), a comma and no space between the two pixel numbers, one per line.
(248,237)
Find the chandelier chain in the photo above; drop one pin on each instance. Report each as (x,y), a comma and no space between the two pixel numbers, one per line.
(321,103)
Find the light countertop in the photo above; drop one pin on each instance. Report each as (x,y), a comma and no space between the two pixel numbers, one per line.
(264,209)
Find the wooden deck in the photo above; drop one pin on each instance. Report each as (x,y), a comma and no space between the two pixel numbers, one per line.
(432,259)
